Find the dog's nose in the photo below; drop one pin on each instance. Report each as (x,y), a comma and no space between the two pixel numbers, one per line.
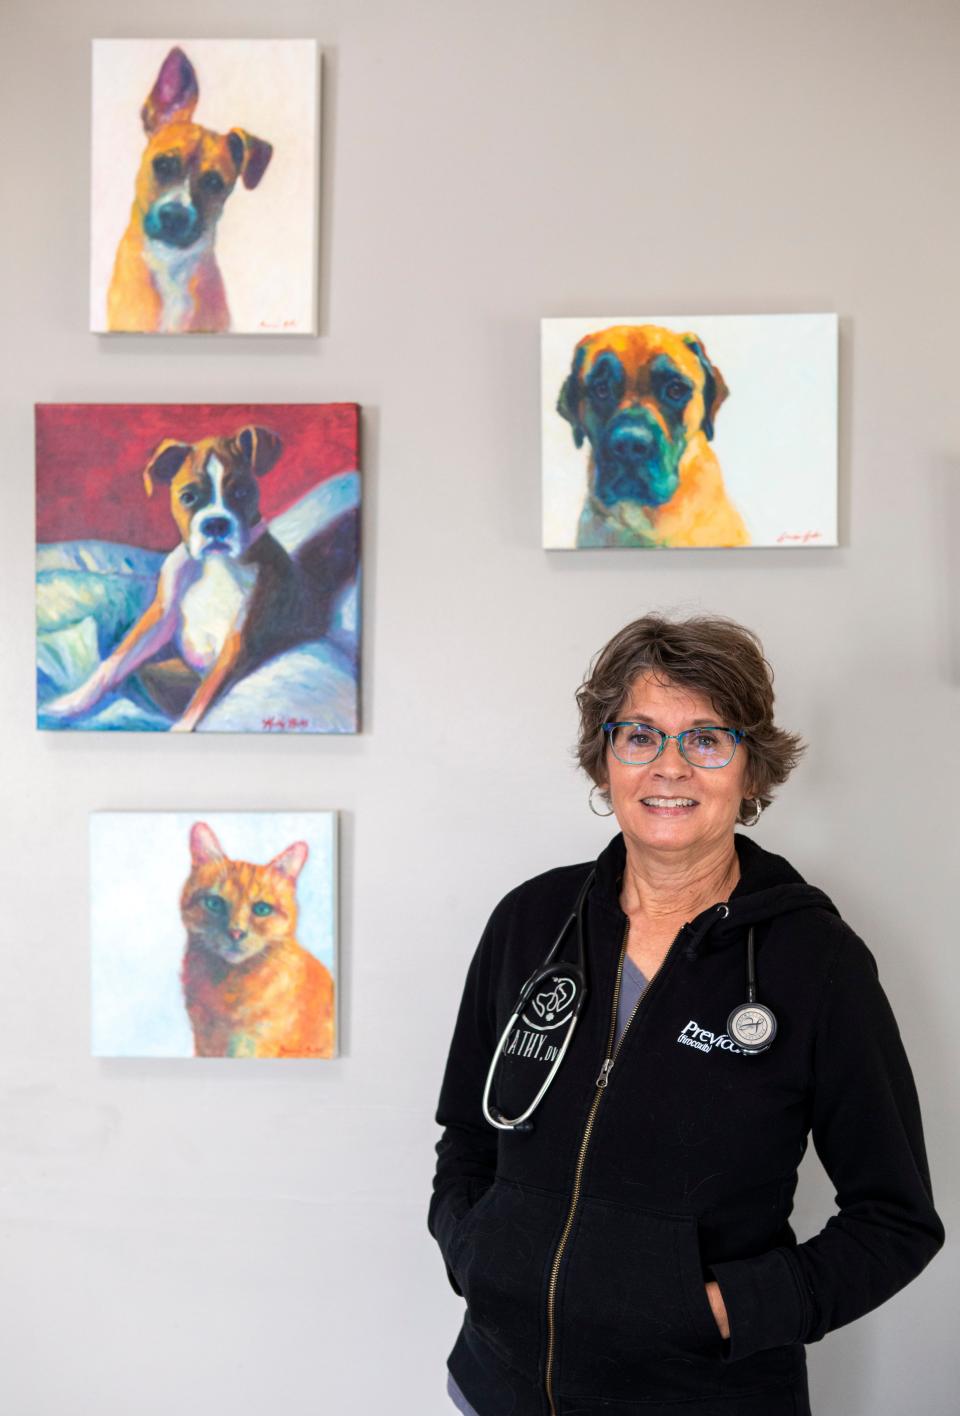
(174,218)
(634,448)
(216,526)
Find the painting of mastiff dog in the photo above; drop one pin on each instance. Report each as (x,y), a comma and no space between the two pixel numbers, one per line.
(698,432)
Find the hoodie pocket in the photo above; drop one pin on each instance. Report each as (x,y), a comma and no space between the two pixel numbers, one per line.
(632,1313)
(461,1228)
(501,1257)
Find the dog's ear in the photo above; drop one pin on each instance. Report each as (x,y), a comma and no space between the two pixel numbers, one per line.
(174,95)
(204,846)
(291,861)
(165,462)
(258,448)
(250,155)
(571,391)
(714,389)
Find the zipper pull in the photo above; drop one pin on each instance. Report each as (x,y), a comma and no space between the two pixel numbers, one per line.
(604,1076)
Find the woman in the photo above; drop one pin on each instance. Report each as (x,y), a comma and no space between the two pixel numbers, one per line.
(628,1248)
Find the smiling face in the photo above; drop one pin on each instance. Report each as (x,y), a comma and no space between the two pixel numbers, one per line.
(668,804)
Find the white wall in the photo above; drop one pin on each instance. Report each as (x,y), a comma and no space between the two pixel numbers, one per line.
(250,1237)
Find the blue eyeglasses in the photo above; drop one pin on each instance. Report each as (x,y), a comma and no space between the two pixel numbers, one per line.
(637,744)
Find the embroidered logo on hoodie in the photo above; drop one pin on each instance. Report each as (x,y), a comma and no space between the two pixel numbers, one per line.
(693,1035)
(553,1007)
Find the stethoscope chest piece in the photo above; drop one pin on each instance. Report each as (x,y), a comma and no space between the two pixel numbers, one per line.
(752,1026)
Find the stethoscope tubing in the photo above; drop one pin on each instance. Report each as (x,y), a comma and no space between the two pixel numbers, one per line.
(521,1122)
(735,1024)
(575,917)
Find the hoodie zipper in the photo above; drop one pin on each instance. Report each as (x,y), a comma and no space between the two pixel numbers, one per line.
(602,1082)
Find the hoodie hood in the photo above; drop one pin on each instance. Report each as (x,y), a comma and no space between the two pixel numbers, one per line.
(768,887)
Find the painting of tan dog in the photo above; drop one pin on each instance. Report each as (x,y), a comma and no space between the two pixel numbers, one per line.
(203,217)
(691,432)
(198,567)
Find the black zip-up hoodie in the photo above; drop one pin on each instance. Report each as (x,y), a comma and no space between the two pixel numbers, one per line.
(582,1247)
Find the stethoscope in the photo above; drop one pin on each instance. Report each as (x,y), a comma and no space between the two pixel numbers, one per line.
(553,998)
(751,1024)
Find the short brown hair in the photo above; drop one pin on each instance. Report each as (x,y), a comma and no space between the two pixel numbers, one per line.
(710,654)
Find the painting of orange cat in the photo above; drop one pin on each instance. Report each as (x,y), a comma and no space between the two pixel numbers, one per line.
(249,988)
(214,934)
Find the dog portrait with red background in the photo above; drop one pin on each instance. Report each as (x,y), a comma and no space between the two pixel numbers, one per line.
(198,567)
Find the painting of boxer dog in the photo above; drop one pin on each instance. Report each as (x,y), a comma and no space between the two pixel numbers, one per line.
(214,934)
(204,186)
(198,567)
(667,432)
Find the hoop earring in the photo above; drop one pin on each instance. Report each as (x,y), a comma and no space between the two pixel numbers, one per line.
(758,809)
(596,788)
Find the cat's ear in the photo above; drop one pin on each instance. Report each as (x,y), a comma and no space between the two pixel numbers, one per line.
(204,846)
(291,861)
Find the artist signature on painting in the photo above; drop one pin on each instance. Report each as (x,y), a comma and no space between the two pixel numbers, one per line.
(278,324)
(282,723)
(803,537)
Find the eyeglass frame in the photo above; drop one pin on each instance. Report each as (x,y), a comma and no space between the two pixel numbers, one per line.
(738,734)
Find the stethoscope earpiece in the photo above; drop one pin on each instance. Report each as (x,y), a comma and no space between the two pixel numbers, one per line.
(514,1125)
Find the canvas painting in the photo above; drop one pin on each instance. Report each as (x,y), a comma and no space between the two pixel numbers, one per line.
(204,186)
(198,567)
(214,934)
(667,432)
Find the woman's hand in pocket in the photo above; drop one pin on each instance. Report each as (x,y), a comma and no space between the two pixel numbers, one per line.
(718,1308)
